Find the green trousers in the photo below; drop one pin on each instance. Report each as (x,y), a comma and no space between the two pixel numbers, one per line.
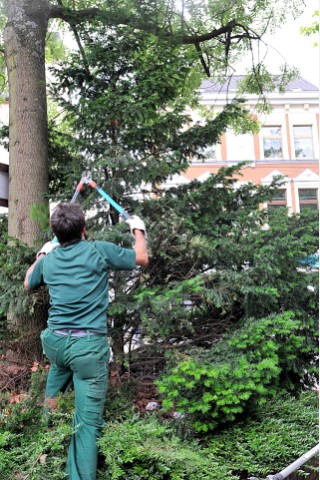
(83,360)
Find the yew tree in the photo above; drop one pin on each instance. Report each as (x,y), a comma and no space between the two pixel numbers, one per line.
(219,265)
(217,33)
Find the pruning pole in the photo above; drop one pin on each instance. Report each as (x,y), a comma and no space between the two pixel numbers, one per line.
(87,180)
(293,466)
(109,199)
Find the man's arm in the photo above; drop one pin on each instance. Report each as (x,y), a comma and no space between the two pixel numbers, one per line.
(138,230)
(47,248)
(140,248)
(30,270)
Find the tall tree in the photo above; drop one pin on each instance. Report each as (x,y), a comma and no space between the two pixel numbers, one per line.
(24,39)
(130,120)
(217,31)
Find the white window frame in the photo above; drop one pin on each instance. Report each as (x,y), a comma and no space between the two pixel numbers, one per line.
(285,151)
(197,161)
(272,203)
(306,179)
(304,123)
(303,185)
(285,186)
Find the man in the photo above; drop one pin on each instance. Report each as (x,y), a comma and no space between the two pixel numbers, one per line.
(76,272)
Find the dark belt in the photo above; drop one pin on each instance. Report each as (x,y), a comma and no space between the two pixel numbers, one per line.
(78,333)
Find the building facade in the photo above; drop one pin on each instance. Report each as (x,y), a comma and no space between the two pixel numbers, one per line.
(4,161)
(287,144)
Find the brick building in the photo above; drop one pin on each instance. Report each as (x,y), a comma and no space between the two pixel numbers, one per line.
(287,144)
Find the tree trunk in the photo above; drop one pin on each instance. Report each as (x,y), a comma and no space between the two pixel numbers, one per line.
(24,38)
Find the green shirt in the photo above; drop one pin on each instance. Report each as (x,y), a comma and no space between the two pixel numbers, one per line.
(77,278)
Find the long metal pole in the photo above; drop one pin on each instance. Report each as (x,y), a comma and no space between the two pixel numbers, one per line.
(293,466)
(109,199)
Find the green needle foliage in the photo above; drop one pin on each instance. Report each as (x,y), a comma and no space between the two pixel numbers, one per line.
(223,313)
(278,434)
(259,360)
(222,316)
(128,99)
(152,448)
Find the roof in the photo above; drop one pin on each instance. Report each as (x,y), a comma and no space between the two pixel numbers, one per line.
(230,84)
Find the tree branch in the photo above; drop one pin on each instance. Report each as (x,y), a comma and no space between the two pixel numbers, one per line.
(75,17)
(69,15)
(202,60)
(190,39)
(78,40)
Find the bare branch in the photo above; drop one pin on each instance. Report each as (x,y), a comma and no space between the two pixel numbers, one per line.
(75,17)
(202,60)
(78,40)
(191,39)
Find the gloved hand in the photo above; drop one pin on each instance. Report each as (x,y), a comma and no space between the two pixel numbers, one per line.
(48,247)
(135,223)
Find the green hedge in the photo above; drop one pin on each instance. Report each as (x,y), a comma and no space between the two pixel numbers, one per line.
(263,358)
(145,449)
(153,448)
(279,434)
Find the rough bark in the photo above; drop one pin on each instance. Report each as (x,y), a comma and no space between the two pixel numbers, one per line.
(24,38)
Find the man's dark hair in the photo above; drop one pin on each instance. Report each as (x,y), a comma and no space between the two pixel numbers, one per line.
(67,222)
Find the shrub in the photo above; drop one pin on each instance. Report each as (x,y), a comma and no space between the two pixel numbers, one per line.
(148,449)
(35,455)
(248,367)
(27,446)
(145,449)
(281,431)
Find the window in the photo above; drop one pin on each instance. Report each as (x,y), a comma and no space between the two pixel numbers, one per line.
(308,198)
(208,154)
(272,142)
(279,200)
(303,141)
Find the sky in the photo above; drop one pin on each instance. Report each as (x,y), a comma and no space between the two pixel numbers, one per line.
(298,50)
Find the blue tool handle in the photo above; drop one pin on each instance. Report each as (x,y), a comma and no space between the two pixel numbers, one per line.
(112,202)
(105,196)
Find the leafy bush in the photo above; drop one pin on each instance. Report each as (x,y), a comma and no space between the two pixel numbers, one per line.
(281,431)
(38,454)
(22,316)
(15,257)
(147,449)
(151,448)
(247,368)
(27,446)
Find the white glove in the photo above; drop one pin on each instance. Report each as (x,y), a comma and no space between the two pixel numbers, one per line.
(135,223)
(48,247)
